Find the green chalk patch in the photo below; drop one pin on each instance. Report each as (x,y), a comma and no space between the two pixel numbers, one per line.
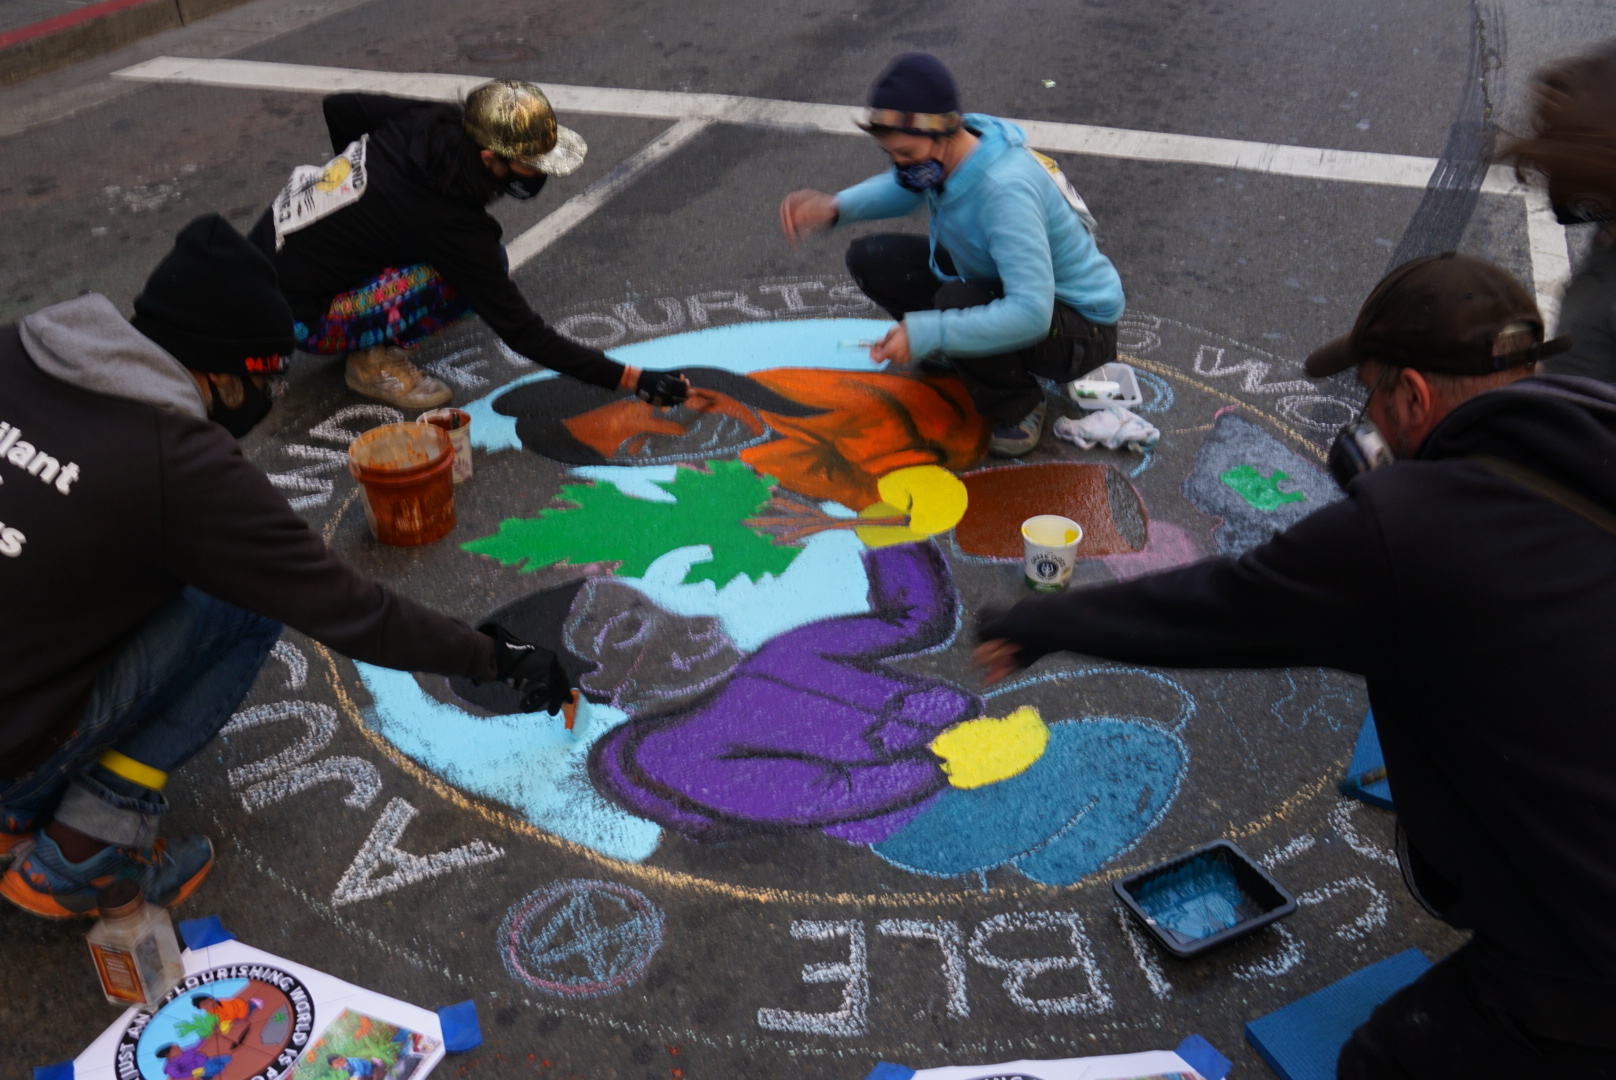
(1262,492)
(603,525)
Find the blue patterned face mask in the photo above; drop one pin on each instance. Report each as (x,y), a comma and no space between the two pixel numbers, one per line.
(921,176)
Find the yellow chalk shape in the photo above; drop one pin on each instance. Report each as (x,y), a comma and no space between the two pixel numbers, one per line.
(932,497)
(987,750)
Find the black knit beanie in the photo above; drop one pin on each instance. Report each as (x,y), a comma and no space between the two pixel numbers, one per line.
(915,94)
(215,304)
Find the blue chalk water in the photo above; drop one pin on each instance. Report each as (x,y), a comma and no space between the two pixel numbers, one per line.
(1100,785)
(1195,900)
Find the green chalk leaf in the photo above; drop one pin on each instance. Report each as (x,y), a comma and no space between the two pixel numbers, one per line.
(1260,491)
(604,525)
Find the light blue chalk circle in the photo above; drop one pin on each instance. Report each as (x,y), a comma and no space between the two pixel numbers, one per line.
(742,349)
(1100,785)
(528,761)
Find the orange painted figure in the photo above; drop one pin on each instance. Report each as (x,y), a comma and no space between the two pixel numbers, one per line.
(872,424)
(226,1012)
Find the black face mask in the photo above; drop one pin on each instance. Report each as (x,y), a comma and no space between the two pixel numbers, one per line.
(255,405)
(524,187)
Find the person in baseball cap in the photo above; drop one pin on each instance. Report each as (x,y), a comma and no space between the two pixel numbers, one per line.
(1469,580)
(1434,332)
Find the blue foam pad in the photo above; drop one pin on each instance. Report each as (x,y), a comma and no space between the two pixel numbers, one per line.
(62,1070)
(461,1032)
(200,933)
(1365,757)
(1204,1058)
(888,1071)
(1302,1040)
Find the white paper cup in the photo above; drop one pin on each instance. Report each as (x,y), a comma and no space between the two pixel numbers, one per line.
(457,425)
(1049,543)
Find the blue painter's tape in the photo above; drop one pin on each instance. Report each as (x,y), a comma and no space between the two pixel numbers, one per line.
(200,933)
(1366,757)
(888,1071)
(461,1032)
(63,1070)
(1303,1040)
(1204,1058)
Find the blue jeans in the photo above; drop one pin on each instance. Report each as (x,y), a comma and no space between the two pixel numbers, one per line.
(170,690)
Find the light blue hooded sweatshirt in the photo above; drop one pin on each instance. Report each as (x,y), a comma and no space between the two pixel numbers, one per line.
(1002,218)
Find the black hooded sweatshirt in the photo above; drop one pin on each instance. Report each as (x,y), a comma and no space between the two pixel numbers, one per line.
(425,201)
(116,491)
(1483,617)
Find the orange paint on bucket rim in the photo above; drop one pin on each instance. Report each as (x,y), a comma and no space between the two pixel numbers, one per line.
(404,474)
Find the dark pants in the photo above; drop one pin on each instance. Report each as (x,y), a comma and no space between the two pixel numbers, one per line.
(161,699)
(1440,1026)
(894,270)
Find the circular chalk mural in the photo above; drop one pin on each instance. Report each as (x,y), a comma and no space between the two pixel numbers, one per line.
(752,598)
(769,607)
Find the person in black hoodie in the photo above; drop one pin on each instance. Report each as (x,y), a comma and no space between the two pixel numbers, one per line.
(146,567)
(1472,582)
(392,240)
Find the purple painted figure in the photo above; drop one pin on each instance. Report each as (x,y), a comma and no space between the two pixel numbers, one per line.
(190,1063)
(811,731)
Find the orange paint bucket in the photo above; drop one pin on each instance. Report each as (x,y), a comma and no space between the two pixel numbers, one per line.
(404,474)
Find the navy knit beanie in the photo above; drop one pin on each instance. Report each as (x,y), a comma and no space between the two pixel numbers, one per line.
(214,303)
(915,95)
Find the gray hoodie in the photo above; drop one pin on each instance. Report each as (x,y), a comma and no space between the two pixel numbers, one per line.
(116,492)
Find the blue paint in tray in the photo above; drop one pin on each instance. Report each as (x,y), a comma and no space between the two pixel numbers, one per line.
(1194,901)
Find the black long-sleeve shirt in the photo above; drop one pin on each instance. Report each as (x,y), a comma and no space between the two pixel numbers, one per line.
(418,207)
(1483,617)
(136,501)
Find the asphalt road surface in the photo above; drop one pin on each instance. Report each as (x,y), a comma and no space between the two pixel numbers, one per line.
(361,829)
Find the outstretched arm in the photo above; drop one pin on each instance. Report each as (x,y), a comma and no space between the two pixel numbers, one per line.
(1316,595)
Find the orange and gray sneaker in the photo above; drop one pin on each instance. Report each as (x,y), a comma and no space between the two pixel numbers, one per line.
(16,826)
(41,880)
(385,372)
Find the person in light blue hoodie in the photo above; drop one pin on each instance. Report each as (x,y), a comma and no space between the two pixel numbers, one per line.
(1008,288)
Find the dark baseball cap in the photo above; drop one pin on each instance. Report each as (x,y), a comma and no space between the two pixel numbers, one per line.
(1443,313)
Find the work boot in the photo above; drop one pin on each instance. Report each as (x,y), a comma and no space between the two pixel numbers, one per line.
(15,827)
(1014,440)
(384,372)
(42,880)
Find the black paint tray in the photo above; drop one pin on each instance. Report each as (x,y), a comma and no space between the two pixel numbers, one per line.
(1216,886)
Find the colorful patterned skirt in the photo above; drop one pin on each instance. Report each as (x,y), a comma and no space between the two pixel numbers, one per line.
(398,307)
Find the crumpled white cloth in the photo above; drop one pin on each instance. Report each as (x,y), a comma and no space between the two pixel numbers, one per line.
(1112,427)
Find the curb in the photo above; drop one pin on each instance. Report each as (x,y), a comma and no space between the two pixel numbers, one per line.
(94,29)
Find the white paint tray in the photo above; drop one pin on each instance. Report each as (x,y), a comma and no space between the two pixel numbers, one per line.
(1128,395)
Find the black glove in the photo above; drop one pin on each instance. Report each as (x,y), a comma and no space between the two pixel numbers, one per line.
(531,670)
(662,388)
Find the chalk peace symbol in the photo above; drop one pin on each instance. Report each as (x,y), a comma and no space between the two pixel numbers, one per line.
(581,938)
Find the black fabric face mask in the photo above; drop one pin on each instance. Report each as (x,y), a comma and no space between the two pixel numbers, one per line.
(524,187)
(255,405)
